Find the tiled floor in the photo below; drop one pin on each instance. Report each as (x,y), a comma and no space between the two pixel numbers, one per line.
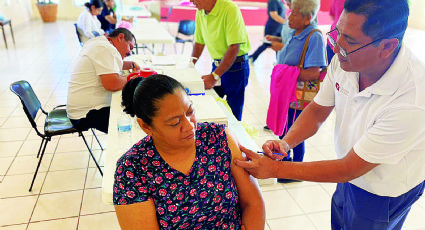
(66,194)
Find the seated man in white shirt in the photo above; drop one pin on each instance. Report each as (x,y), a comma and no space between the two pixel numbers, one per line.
(95,76)
(376,86)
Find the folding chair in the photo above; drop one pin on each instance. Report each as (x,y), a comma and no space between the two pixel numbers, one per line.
(77,30)
(56,123)
(187,28)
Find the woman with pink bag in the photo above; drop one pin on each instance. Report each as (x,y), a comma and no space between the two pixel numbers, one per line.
(304,32)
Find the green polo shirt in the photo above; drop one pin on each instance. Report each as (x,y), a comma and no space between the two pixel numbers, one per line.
(222,27)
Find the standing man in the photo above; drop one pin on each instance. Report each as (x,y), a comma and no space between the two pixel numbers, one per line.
(276,11)
(95,75)
(376,87)
(220,27)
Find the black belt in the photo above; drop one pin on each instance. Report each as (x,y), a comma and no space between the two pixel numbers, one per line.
(241,58)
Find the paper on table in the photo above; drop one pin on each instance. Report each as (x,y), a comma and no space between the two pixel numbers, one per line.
(163,60)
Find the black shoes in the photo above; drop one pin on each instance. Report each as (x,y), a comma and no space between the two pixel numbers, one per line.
(266,128)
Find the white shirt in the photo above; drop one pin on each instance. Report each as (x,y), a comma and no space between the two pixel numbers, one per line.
(98,56)
(89,23)
(384,124)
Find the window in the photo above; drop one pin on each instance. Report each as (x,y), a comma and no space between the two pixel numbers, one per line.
(80,2)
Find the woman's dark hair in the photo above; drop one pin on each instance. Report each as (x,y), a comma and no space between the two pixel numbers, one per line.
(95,3)
(384,18)
(140,96)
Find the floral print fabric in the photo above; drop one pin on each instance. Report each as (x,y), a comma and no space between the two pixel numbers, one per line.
(207,198)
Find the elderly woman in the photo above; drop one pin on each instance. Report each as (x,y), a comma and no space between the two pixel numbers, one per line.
(302,22)
(182,175)
(88,22)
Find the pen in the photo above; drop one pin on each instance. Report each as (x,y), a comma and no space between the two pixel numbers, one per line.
(280,154)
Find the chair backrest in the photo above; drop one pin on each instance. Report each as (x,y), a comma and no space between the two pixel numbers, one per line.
(28,99)
(187,27)
(78,34)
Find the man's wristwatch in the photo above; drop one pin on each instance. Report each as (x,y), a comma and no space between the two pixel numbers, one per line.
(216,76)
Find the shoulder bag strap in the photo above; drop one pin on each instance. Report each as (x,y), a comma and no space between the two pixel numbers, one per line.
(304,52)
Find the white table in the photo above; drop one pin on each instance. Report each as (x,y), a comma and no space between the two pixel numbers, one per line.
(135,11)
(150,31)
(112,152)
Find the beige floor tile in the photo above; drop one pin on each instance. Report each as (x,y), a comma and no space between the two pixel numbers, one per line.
(17,122)
(6,111)
(15,134)
(57,205)
(277,186)
(279,204)
(415,218)
(16,210)
(9,149)
(100,157)
(99,221)
(71,160)
(28,164)
(329,187)
(71,144)
(15,227)
(58,181)
(5,164)
(18,185)
(94,179)
(322,220)
(311,199)
(62,224)
(291,223)
(92,202)
(31,147)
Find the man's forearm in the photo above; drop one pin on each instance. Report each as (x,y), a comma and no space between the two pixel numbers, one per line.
(228,59)
(197,51)
(307,123)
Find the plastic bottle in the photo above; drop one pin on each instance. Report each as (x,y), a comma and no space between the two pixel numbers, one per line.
(124,132)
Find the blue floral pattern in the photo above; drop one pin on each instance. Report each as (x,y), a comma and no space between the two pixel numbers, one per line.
(207,198)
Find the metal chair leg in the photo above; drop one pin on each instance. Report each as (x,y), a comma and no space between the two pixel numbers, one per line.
(91,153)
(97,139)
(39,163)
(41,145)
(183,47)
(11,31)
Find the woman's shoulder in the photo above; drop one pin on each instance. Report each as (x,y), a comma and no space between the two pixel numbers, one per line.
(139,150)
(210,127)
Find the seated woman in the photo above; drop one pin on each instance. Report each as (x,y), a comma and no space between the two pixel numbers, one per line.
(302,22)
(182,175)
(88,22)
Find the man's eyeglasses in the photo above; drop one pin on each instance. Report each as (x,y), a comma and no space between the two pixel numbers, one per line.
(342,51)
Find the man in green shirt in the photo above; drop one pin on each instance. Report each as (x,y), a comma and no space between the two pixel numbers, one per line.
(220,27)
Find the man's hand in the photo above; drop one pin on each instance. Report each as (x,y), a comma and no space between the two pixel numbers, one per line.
(273,38)
(276,146)
(276,46)
(209,81)
(259,166)
(136,66)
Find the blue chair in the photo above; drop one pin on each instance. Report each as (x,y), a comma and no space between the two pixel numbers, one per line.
(56,123)
(187,28)
(77,30)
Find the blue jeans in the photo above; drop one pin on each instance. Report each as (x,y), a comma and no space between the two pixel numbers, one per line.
(299,150)
(354,208)
(233,83)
